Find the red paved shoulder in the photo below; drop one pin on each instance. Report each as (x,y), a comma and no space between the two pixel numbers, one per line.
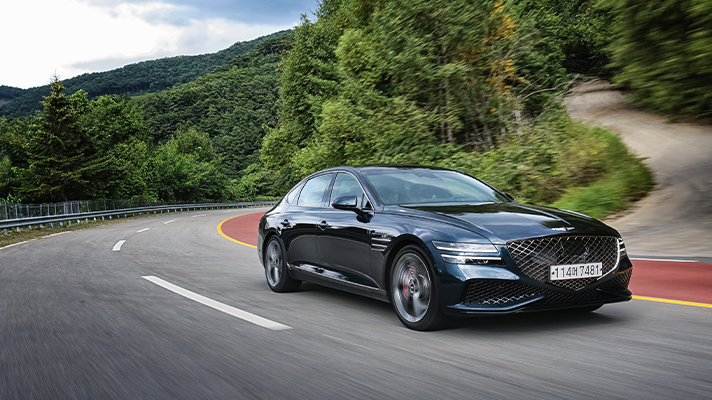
(686,281)
(243,228)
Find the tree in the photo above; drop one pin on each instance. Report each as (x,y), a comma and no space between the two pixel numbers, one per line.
(62,161)
(662,49)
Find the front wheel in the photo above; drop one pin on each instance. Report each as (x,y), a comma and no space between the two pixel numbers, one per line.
(276,271)
(413,293)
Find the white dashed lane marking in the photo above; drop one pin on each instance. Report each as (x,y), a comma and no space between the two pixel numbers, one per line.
(235,312)
(143,230)
(117,246)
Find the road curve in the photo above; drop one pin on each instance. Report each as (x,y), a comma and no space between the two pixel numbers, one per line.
(80,321)
(675,220)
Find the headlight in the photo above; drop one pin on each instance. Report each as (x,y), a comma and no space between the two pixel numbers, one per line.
(465,247)
(471,260)
(469,253)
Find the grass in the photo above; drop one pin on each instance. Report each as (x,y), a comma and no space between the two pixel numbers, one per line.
(624,179)
(36,232)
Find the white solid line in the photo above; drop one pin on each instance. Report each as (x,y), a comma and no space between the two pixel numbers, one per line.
(58,233)
(168,222)
(117,246)
(662,259)
(14,244)
(235,312)
(143,230)
(199,215)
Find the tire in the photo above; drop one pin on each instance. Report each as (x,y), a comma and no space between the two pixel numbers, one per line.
(276,270)
(412,292)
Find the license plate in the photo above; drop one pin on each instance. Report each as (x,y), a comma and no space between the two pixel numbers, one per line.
(575,271)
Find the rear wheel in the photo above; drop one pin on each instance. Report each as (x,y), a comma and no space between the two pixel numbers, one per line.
(276,271)
(413,293)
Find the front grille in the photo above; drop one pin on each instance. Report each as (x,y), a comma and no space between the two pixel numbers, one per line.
(619,282)
(495,292)
(535,256)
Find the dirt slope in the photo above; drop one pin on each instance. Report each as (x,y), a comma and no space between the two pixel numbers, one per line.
(675,220)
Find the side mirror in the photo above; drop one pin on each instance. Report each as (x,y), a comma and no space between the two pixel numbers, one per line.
(349,202)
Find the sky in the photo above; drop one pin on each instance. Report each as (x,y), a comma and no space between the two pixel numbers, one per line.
(40,39)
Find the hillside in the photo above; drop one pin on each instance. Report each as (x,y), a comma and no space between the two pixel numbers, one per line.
(9,93)
(233,104)
(133,79)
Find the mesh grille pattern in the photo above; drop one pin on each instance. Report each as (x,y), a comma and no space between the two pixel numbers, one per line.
(619,282)
(503,292)
(535,256)
(497,292)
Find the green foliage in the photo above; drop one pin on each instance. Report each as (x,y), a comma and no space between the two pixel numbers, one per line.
(556,161)
(376,81)
(623,179)
(235,105)
(257,183)
(663,50)
(572,34)
(186,168)
(63,164)
(8,93)
(135,79)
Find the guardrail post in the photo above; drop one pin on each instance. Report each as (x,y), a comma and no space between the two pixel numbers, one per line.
(19,230)
(5,231)
(70,222)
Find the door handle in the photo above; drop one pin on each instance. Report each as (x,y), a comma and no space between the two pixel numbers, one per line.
(285,223)
(323,225)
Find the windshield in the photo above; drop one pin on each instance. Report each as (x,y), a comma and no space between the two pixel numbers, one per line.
(420,186)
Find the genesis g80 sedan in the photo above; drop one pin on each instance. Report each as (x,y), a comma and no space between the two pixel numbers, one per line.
(436,243)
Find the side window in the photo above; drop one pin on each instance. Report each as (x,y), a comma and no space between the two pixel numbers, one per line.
(292,196)
(313,191)
(345,185)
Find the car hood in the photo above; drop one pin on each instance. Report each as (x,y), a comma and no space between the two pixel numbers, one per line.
(504,222)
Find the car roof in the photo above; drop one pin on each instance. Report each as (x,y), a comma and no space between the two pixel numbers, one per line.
(383,167)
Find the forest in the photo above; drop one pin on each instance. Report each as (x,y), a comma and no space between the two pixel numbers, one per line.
(471,85)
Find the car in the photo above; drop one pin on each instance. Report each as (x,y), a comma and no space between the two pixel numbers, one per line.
(438,243)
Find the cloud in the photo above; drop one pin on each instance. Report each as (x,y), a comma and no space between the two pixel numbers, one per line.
(268,12)
(72,37)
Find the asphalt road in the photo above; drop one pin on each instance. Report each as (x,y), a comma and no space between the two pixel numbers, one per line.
(78,320)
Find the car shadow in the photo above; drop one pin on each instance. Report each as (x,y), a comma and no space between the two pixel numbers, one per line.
(533,322)
(495,324)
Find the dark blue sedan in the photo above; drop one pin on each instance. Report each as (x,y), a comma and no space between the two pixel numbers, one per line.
(436,242)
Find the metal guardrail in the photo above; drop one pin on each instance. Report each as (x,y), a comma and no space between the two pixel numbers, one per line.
(18,223)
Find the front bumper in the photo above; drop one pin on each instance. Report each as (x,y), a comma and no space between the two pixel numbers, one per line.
(496,296)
